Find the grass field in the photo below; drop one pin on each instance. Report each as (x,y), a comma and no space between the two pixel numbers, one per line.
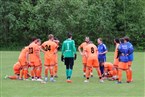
(11,88)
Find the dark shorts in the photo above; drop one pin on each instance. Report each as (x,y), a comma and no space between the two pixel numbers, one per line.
(102,60)
(69,62)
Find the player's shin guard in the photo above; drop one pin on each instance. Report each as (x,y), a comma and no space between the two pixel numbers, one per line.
(51,72)
(46,72)
(25,74)
(70,73)
(38,73)
(67,73)
(102,69)
(128,75)
(119,75)
(32,73)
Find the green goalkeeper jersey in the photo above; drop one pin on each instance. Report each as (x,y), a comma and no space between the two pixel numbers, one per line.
(68,48)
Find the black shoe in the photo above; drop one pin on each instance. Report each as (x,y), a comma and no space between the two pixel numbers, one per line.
(84,75)
(91,75)
(56,76)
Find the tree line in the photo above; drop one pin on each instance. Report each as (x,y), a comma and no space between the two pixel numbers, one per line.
(108,19)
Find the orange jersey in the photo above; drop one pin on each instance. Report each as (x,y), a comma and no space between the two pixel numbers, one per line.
(23,54)
(17,66)
(34,52)
(83,45)
(108,66)
(91,50)
(116,51)
(50,47)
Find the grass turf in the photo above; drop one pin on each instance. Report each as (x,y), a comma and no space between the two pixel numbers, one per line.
(13,88)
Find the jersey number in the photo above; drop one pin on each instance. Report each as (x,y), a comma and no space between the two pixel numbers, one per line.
(47,47)
(92,50)
(31,50)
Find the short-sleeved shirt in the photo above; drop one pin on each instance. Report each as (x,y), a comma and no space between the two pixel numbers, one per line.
(102,48)
(23,53)
(91,50)
(83,45)
(50,47)
(34,49)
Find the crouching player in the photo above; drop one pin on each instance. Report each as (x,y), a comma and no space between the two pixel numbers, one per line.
(109,71)
(91,53)
(16,68)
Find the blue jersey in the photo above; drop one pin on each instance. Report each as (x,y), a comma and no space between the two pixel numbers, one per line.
(123,52)
(131,50)
(102,48)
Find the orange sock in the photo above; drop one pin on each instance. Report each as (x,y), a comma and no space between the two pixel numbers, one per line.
(119,75)
(130,71)
(91,69)
(128,75)
(38,72)
(13,77)
(25,74)
(99,72)
(46,71)
(21,74)
(87,72)
(51,72)
(32,73)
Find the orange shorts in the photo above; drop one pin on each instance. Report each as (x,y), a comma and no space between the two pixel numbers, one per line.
(84,59)
(123,65)
(49,61)
(17,71)
(35,63)
(23,62)
(92,62)
(116,62)
(129,63)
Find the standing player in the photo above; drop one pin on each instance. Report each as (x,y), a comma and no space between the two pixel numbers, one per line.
(102,50)
(69,51)
(130,56)
(116,59)
(123,60)
(56,59)
(81,49)
(35,60)
(50,49)
(91,53)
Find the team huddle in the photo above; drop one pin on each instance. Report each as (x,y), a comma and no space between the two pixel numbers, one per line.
(30,65)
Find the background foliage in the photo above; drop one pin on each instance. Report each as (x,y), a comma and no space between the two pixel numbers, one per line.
(22,19)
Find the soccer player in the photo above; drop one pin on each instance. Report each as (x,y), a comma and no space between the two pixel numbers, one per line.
(69,53)
(16,68)
(91,53)
(56,59)
(110,71)
(81,49)
(35,60)
(123,60)
(130,56)
(50,49)
(102,50)
(24,62)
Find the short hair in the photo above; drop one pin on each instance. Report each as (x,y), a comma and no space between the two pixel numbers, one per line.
(69,34)
(116,40)
(38,40)
(121,40)
(50,36)
(100,39)
(33,38)
(126,38)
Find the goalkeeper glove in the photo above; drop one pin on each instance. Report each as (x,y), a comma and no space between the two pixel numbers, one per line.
(62,58)
(75,56)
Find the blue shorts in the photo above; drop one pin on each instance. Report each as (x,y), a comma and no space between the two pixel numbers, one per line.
(102,60)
